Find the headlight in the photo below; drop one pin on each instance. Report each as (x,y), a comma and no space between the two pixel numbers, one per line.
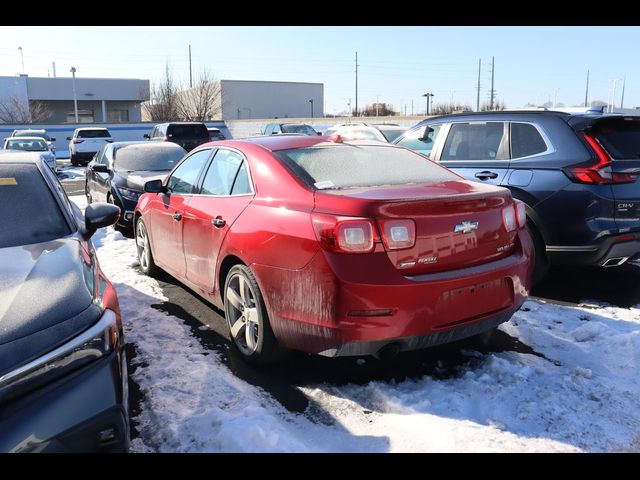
(91,345)
(129,194)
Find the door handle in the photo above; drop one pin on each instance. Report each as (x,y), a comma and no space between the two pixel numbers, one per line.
(177,217)
(486,175)
(218,222)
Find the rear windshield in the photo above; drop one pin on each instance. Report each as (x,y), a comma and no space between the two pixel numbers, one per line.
(93,134)
(347,166)
(145,158)
(28,209)
(33,145)
(33,134)
(188,131)
(304,129)
(620,137)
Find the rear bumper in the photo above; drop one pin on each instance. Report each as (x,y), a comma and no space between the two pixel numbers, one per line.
(82,412)
(605,253)
(355,304)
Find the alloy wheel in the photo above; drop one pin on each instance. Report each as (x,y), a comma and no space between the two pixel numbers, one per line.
(142,246)
(242,314)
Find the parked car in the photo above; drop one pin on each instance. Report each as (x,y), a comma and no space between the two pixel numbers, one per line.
(32,144)
(576,173)
(186,134)
(299,128)
(383,132)
(37,133)
(119,171)
(219,133)
(336,248)
(63,368)
(85,142)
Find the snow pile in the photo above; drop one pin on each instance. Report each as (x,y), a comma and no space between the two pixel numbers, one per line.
(582,396)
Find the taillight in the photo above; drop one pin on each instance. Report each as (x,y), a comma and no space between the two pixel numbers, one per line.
(76,141)
(600,172)
(165,139)
(521,213)
(509,218)
(210,139)
(344,234)
(398,234)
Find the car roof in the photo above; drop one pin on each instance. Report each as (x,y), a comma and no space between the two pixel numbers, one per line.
(275,143)
(12,156)
(149,145)
(25,138)
(91,128)
(39,130)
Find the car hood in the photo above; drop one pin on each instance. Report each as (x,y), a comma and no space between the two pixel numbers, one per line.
(136,180)
(46,297)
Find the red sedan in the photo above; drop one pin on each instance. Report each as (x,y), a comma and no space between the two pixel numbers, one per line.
(335,248)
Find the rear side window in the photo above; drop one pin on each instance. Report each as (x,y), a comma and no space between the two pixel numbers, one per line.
(526,140)
(422,139)
(222,173)
(188,131)
(474,141)
(390,134)
(620,137)
(29,211)
(347,166)
(184,177)
(94,133)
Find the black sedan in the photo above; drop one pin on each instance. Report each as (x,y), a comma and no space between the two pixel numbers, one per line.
(63,371)
(118,172)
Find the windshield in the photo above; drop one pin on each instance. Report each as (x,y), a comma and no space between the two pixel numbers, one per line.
(392,134)
(154,158)
(304,129)
(33,134)
(25,195)
(188,131)
(32,145)
(347,166)
(102,133)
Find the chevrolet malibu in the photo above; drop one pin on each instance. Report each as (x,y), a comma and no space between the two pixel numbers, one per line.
(335,248)
(63,372)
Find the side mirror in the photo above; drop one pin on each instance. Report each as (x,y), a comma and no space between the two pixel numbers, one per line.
(68,138)
(98,215)
(52,139)
(146,135)
(319,133)
(154,186)
(100,167)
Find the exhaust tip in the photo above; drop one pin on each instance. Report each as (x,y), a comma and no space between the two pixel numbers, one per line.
(388,352)
(615,261)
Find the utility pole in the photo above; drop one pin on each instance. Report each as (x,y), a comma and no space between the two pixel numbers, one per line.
(478,98)
(53,65)
(75,97)
(613,94)
(356,84)
(377,103)
(21,58)
(586,93)
(555,96)
(492,76)
(412,107)
(311,102)
(190,75)
(624,83)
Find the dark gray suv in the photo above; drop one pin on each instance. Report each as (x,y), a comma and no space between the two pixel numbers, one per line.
(576,173)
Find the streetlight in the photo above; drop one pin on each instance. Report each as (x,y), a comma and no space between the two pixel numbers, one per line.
(377,103)
(311,102)
(75,98)
(428,95)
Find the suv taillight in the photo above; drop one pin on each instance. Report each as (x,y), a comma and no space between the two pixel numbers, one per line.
(398,233)
(75,141)
(344,234)
(600,172)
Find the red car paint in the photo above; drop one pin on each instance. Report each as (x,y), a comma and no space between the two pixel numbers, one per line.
(317,299)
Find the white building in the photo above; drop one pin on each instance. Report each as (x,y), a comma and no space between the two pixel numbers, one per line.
(242,99)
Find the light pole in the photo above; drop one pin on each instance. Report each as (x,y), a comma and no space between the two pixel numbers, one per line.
(311,102)
(21,58)
(75,98)
(428,95)
(377,103)
(613,94)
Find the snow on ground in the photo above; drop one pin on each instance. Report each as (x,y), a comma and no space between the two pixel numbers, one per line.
(68,173)
(582,397)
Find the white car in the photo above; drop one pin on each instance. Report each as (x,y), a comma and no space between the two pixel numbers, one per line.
(41,132)
(86,142)
(32,144)
(382,132)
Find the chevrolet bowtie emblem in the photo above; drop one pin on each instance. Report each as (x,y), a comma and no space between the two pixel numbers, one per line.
(465,227)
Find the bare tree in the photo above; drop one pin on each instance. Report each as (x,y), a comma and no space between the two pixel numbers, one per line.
(445,108)
(163,99)
(13,109)
(497,105)
(382,110)
(202,102)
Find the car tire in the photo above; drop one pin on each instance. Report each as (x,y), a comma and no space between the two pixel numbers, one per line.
(73,160)
(540,261)
(143,249)
(248,320)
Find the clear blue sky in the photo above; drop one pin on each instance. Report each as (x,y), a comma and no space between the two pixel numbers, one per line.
(397,64)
